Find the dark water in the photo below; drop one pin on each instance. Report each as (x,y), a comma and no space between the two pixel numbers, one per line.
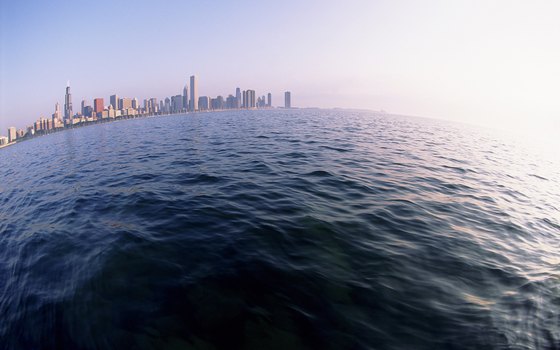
(278,229)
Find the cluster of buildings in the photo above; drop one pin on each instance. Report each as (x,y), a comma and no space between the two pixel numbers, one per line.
(124,108)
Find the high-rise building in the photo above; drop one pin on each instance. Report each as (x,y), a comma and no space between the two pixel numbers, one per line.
(98,105)
(153,105)
(83,109)
(231,102)
(203,103)
(12,135)
(238,98)
(176,103)
(269,100)
(57,115)
(114,101)
(249,99)
(135,103)
(218,103)
(125,103)
(68,104)
(194,94)
(167,106)
(88,111)
(287,99)
(185,98)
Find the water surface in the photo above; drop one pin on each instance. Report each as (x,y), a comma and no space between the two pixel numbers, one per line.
(288,229)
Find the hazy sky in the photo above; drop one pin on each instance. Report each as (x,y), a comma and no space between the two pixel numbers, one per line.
(488,62)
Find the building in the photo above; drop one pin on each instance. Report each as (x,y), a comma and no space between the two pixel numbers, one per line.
(3,140)
(261,102)
(135,103)
(231,102)
(167,105)
(287,99)
(12,134)
(238,97)
(217,103)
(88,111)
(249,100)
(68,104)
(125,103)
(269,100)
(185,98)
(194,94)
(154,107)
(57,115)
(203,103)
(114,101)
(83,109)
(176,103)
(98,105)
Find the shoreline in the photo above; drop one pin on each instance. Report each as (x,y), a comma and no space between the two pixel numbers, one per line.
(124,118)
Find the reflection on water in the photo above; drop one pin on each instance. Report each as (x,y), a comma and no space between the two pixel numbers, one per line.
(291,229)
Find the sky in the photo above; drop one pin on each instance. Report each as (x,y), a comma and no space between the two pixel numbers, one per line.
(486,62)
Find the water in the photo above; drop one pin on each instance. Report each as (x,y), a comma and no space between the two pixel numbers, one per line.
(278,229)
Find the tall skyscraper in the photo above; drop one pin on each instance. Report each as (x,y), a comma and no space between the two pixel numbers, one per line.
(98,105)
(287,99)
(135,103)
(194,94)
(249,100)
(185,98)
(68,103)
(269,101)
(83,107)
(238,98)
(114,101)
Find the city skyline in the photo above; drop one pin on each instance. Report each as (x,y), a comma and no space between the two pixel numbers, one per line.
(127,107)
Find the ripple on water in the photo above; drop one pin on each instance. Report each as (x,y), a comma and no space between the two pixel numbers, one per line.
(300,229)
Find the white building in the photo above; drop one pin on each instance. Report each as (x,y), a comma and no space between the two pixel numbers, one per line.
(12,134)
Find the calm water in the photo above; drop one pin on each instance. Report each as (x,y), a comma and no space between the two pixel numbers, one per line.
(278,229)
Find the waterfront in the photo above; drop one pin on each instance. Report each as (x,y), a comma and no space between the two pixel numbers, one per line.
(278,229)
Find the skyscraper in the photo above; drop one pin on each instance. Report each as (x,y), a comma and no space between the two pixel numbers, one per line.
(125,103)
(114,101)
(287,99)
(194,94)
(83,109)
(68,103)
(204,103)
(135,103)
(249,99)
(238,98)
(269,101)
(98,105)
(185,98)
(57,115)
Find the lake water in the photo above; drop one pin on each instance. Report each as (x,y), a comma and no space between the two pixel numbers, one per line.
(287,229)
